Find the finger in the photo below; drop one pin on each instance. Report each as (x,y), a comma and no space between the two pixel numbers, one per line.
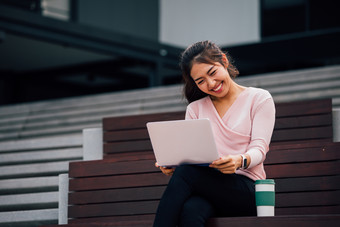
(166,170)
(230,169)
(156,164)
(222,160)
(222,165)
(168,173)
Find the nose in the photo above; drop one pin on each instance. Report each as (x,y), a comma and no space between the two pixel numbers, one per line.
(211,83)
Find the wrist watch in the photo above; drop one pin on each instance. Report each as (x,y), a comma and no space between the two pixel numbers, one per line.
(244,162)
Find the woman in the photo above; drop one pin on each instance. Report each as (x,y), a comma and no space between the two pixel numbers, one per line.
(242,121)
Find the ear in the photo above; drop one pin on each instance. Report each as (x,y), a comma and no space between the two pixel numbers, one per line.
(225,60)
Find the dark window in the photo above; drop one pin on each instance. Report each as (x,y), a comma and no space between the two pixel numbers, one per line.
(280,17)
(29,5)
(324,14)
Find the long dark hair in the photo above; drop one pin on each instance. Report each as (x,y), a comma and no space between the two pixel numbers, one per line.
(201,52)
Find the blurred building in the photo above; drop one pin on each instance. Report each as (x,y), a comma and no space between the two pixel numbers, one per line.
(60,48)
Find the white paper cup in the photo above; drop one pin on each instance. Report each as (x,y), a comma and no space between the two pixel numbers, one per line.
(265,197)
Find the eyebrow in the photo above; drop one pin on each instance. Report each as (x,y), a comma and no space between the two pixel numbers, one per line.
(207,72)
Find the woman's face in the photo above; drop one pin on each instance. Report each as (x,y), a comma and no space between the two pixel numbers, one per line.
(213,80)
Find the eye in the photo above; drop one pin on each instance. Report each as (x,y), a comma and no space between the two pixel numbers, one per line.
(213,72)
(200,82)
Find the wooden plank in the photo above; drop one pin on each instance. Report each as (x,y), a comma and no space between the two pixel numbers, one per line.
(303,134)
(122,181)
(323,153)
(130,156)
(302,184)
(306,107)
(308,210)
(127,146)
(282,145)
(116,195)
(113,209)
(114,219)
(105,167)
(126,135)
(138,121)
(303,121)
(277,221)
(141,223)
(303,169)
(307,199)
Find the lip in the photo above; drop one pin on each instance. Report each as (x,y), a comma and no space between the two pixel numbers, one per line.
(218,89)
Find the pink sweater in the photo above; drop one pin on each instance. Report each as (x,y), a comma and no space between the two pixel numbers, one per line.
(246,127)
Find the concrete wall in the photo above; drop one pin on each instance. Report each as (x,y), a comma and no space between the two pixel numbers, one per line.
(132,17)
(177,22)
(226,22)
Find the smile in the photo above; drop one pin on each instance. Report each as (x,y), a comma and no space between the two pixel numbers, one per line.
(218,88)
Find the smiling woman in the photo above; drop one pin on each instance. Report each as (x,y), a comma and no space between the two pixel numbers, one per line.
(242,121)
(207,53)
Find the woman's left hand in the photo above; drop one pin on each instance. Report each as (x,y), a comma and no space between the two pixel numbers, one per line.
(227,164)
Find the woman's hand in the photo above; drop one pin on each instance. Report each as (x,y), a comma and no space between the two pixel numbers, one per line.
(166,171)
(227,164)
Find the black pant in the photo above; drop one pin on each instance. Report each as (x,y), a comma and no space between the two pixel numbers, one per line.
(196,193)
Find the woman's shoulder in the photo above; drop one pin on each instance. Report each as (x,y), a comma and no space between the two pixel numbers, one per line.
(199,102)
(259,93)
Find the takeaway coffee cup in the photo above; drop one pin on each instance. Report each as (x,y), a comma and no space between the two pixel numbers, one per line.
(265,197)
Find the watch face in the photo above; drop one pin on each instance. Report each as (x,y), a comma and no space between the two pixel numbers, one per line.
(244,164)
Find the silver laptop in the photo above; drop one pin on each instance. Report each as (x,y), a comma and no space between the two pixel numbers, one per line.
(183,142)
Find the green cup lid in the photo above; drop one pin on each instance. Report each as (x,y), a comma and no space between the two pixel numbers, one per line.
(267,181)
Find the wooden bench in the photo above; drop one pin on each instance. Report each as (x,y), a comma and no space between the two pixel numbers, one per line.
(124,188)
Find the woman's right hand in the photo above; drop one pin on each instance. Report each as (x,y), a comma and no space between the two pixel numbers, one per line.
(165,170)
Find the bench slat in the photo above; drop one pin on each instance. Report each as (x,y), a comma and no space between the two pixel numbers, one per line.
(303,169)
(126,135)
(307,199)
(284,145)
(102,168)
(302,108)
(130,156)
(123,181)
(303,134)
(322,153)
(133,122)
(308,210)
(128,146)
(277,221)
(107,209)
(117,195)
(303,121)
(301,184)
(121,220)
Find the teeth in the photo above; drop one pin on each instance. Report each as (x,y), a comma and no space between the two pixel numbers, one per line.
(218,88)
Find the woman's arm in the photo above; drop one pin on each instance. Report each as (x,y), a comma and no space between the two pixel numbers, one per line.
(262,130)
